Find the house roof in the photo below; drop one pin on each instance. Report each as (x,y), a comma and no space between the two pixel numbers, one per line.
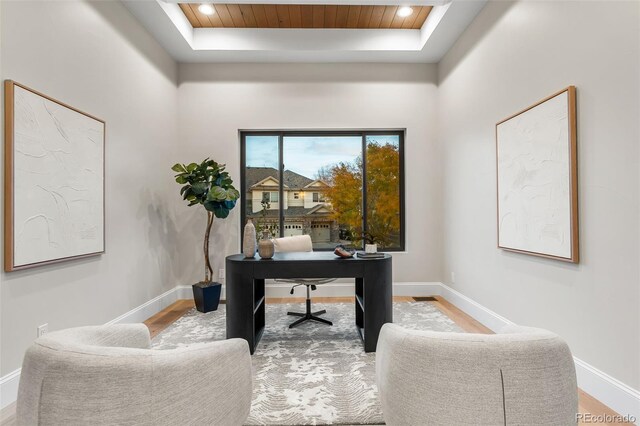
(292,180)
(313,183)
(289,213)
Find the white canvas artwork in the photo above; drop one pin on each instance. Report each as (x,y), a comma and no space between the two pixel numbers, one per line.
(58,181)
(535,180)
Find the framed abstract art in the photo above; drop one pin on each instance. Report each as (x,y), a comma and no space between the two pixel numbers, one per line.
(537,179)
(54,180)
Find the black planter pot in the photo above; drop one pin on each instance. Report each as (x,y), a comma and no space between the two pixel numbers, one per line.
(207,296)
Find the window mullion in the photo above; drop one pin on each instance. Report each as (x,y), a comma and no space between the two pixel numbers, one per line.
(364,187)
(281,185)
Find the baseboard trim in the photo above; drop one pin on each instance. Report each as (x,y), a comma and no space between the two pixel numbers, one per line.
(611,392)
(9,388)
(150,308)
(485,316)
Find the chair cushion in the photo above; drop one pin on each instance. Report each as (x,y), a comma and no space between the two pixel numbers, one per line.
(295,243)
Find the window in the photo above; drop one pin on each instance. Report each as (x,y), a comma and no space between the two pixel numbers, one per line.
(356,181)
(318,197)
(270,197)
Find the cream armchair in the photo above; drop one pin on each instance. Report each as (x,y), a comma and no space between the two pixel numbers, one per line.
(523,376)
(107,375)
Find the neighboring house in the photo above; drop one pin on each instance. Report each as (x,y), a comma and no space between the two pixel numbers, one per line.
(306,210)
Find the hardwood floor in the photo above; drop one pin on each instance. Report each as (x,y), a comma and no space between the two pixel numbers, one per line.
(163,319)
(168,316)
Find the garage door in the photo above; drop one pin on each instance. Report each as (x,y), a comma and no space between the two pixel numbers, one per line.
(291,229)
(320,233)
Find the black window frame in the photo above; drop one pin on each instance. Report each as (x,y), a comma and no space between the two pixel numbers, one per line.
(281,134)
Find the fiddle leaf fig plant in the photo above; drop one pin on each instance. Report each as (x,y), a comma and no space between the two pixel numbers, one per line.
(209,185)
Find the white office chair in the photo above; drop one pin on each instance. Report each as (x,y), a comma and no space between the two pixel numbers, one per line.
(301,243)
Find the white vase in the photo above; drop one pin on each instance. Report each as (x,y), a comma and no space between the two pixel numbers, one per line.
(370,248)
(249,240)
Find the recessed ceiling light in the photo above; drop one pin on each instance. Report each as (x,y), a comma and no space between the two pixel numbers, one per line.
(206,9)
(405,11)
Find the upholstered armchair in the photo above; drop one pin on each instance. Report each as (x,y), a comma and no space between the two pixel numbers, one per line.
(107,375)
(523,376)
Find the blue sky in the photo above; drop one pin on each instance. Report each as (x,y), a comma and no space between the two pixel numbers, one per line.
(305,155)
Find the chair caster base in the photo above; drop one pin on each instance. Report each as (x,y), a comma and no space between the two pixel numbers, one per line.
(307,317)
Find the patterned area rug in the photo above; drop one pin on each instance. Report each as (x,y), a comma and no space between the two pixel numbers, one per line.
(313,374)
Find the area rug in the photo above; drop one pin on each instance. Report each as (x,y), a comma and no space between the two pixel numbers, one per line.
(313,374)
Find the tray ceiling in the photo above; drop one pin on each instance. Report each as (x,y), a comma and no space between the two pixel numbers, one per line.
(312,31)
(231,15)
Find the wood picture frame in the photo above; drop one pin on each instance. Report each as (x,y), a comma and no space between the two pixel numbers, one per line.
(537,179)
(54,183)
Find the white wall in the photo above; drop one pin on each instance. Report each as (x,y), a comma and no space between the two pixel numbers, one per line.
(511,56)
(215,101)
(97,58)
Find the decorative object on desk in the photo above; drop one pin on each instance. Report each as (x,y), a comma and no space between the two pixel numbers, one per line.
(375,255)
(343,252)
(209,185)
(249,240)
(265,246)
(537,183)
(371,241)
(54,180)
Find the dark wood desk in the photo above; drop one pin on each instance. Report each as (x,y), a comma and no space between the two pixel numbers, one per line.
(245,290)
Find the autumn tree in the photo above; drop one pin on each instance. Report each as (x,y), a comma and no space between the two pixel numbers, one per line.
(383,195)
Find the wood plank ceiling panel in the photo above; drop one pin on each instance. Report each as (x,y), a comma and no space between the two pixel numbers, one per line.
(376,17)
(216,21)
(423,13)
(284,20)
(365,16)
(387,17)
(201,18)
(330,16)
(260,15)
(232,15)
(341,16)
(295,15)
(186,9)
(409,20)
(307,15)
(397,21)
(353,16)
(248,16)
(236,15)
(318,16)
(272,15)
(225,16)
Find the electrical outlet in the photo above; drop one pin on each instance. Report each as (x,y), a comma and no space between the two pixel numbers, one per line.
(43,329)
(453,277)
(221,274)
